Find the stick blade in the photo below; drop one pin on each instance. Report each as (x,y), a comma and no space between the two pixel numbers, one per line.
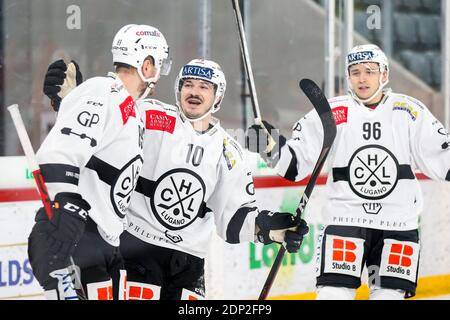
(322,107)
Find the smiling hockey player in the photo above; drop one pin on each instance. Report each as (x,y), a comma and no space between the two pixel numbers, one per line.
(194,180)
(374,198)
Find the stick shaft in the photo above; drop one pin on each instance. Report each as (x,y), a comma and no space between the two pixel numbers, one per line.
(248,69)
(31,158)
(323,109)
(301,208)
(246,60)
(37,174)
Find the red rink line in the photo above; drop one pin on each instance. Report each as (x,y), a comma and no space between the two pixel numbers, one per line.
(12,195)
(277,182)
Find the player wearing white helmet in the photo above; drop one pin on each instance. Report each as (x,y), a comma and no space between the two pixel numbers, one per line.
(371,217)
(90,161)
(209,73)
(134,46)
(194,180)
(370,61)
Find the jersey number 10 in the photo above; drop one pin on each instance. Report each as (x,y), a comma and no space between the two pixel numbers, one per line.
(195,155)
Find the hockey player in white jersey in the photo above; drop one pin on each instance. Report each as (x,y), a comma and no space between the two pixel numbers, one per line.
(91,160)
(374,199)
(194,180)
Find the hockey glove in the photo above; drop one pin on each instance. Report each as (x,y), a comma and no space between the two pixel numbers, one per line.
(257,141)
(60,79)
(52,242)
(277,227)
(66,228)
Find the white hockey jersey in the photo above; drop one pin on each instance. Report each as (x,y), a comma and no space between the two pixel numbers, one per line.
(96,149)
(190,184)
(371,181)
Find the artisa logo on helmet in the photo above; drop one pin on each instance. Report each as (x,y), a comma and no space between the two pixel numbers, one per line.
(153,33)
(360,56)
(197,71)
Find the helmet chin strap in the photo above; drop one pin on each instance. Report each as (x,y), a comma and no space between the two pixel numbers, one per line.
(363,101)
(211,110)
(150,83)
(196,119)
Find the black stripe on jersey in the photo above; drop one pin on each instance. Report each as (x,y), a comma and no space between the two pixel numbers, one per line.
(235,225)
(340,174)
(57,172)
(292,172)
(145,186)
(203,210)
(404,172)
(106,172)
(447,177)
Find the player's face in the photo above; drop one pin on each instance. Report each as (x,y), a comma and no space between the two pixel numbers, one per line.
(197,97)
(364,78)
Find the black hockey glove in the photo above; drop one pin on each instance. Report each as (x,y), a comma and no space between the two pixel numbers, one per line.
(66,227)
(257,141)
(273,227)
(52,242)
(60,79)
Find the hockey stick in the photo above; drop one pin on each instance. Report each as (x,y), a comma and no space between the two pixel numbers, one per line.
(248,69)
(37,174)
(320,103)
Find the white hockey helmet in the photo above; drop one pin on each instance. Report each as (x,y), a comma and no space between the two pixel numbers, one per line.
(206,70)
(365,54)
(133,43)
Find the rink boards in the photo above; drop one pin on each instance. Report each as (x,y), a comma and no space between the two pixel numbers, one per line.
(232,271)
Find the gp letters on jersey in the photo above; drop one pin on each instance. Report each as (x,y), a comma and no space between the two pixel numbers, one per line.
(159,120)
(343,255)
(399,259)
(178,197)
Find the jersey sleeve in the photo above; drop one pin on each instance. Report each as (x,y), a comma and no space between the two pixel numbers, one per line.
(430,146)
(299,154)
(233,202)
(74,138)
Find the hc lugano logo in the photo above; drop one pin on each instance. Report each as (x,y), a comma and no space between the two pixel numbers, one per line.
(123,187)
(373,172)
(177,198)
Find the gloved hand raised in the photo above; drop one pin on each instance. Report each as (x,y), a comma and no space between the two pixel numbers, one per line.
(281,227)
(60,79)
(257,141)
